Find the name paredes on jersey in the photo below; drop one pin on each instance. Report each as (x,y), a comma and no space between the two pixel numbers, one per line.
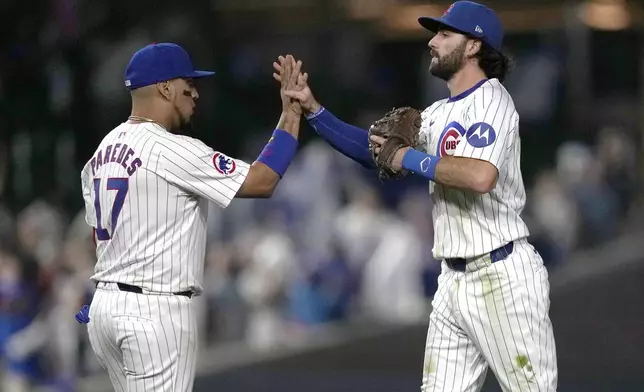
(116,153)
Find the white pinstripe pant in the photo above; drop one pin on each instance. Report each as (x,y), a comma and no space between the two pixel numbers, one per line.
(145,342)
(496,315)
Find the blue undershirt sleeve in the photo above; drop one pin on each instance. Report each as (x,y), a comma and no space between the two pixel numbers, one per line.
(345,138)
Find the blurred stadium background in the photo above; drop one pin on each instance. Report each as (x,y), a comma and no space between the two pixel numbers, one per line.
(326,287)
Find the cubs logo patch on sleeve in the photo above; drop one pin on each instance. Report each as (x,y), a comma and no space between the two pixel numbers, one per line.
(224,164)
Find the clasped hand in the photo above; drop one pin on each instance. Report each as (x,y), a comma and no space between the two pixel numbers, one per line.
(298,91)
(396,161)
(290,76)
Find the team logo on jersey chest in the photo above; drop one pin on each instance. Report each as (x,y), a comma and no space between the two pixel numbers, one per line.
(223,164)
(449,139)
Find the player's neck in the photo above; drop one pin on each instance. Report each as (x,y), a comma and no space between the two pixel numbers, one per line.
(142,114)
(464,80)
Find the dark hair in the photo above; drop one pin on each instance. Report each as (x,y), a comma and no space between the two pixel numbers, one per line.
(495,64)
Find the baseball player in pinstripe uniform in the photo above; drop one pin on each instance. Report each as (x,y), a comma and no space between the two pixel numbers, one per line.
(146,192)
(492,302)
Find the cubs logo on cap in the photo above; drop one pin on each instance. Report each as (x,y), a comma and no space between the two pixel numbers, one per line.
(469,18)
(159,62)
(224,164)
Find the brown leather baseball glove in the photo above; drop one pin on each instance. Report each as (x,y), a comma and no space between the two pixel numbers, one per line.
(401,128)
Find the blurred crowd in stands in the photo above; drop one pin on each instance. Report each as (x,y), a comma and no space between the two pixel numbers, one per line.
(332,244)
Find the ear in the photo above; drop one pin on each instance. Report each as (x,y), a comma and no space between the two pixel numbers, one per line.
(165,90)
(473,47)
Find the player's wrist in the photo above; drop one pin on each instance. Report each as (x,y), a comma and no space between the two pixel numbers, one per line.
(314,106)
(292,114)
(420,163)
(291,123)
(279,151)
(313,110)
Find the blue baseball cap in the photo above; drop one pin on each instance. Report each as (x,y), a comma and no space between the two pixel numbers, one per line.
(159,62)
(469,18)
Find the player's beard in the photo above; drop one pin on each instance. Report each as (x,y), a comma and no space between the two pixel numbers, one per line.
(445,67)
(186,125)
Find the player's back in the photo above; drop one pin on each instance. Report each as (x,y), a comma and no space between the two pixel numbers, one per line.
(149,232)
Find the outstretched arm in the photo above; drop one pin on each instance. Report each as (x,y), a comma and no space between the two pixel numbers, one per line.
(197,168)
(350,140)
(345,138)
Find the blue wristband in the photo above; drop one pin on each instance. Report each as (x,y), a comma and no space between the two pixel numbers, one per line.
(311,116)
(420,163)
(279,151)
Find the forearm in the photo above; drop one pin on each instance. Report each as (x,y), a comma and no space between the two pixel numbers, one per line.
(462,173)
(290,122)
(271,165)
(260,182)
(455,172)
(350,140)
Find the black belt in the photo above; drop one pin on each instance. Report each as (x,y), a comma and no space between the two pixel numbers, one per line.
(138,290)
(458,264)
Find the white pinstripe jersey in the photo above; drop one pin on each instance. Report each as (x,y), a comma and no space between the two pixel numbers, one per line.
(146,195)
(481,123)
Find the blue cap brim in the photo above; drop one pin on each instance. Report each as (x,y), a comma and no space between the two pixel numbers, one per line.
(435,24)
(199,74)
